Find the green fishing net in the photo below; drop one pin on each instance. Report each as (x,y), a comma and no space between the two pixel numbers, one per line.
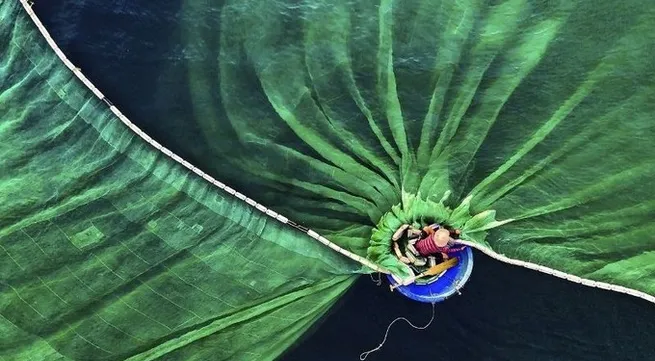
(540,111)
(112,251)
(527,123)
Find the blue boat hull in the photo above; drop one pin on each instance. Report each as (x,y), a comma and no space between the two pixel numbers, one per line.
(443,287)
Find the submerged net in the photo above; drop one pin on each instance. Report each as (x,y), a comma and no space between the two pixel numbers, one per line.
(333,112)
(112,251)
(538,114)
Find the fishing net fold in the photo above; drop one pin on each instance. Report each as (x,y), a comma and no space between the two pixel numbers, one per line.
(527,124)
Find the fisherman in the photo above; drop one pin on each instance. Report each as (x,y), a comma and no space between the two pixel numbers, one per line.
(436,239)
(424,244)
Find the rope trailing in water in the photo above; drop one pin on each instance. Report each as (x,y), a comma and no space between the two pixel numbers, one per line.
(378,280)
(365,354)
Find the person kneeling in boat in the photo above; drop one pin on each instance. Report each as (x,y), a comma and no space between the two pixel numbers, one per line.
(424,244)
(422,247)
(435,240)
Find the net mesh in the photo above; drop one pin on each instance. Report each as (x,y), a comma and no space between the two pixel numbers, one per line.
(330,113)
(333,111)
(112,251)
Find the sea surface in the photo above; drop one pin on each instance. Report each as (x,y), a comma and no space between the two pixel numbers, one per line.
(504,313)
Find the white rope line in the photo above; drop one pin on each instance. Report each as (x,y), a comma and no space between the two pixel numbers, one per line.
(365,354)
(560,274)
(285,220)
(78,73)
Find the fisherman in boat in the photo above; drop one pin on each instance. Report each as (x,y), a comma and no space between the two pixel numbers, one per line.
(424,245)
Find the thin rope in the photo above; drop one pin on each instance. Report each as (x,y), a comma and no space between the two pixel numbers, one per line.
(377,281)
(364,355)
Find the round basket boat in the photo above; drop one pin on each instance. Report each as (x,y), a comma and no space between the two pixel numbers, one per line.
(442,286)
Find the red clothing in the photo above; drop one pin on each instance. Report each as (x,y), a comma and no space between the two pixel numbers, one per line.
(426,247)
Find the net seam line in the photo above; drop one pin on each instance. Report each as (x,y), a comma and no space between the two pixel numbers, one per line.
(27,5)
(365,262)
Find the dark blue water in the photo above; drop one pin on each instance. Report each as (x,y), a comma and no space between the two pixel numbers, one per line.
(505,313)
